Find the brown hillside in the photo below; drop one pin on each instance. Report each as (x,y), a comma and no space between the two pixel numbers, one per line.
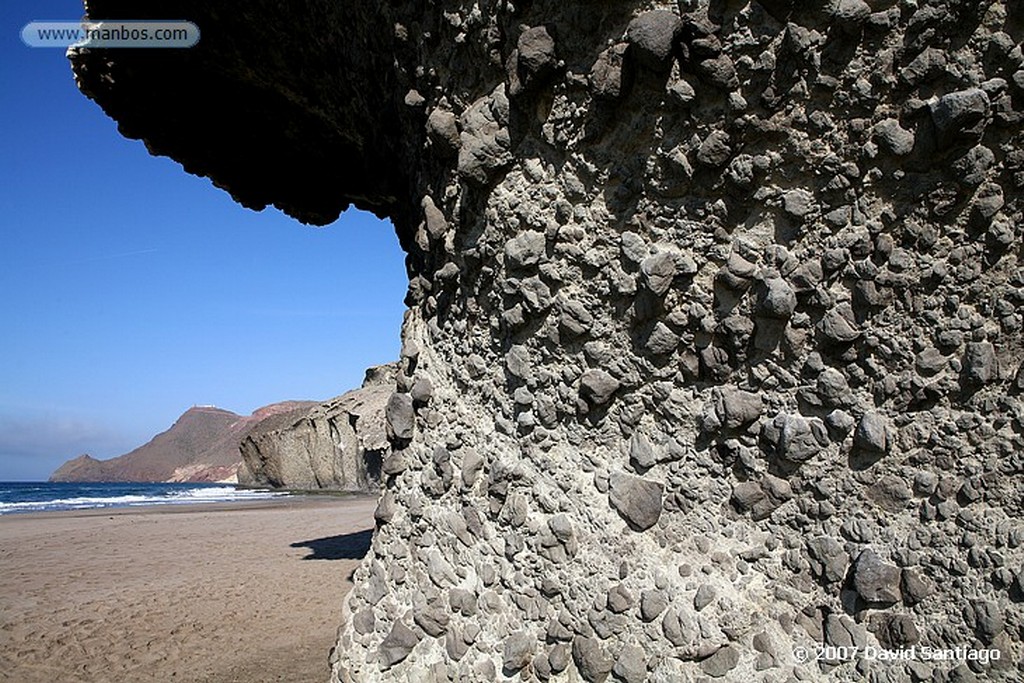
(202,445)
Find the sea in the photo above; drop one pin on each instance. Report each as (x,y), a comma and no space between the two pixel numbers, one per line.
(22,497)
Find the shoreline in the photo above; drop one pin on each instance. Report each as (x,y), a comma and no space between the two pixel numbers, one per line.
(212,592)
(291,499)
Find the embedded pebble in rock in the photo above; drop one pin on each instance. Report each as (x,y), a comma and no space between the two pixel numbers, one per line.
(638,500)
(957,112)
(443,131)
(652,35)
(598,387)
(591,659)
(399,416)
(659,271)
(875,580)
(896,139)
(872,433)
(398,644)
(798,203)
(536,50)
(652,604)
(777,299)
(631,664)
(610,77)
(713,340)
(518,651)
(721,663)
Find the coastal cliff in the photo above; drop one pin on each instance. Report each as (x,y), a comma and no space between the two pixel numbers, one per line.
(714,341)
(201,445)
(337,445)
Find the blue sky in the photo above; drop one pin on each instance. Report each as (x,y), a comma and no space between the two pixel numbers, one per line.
(130,290)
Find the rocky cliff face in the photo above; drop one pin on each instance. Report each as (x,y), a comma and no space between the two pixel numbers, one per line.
(201,445)
(714,344)
(337,445)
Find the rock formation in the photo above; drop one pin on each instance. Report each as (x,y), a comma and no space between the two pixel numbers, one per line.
(713,347)
(201,445)
(337,445)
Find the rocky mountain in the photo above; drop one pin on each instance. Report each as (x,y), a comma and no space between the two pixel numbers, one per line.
(337,445)
(202,445)
(713,350)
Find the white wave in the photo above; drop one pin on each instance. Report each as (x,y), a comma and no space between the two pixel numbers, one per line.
(228,493)
(205,494)
(77,503)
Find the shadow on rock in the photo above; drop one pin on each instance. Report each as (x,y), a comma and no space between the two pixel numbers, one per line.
(344,547)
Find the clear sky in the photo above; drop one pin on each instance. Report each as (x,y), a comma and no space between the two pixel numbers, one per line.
(130,290)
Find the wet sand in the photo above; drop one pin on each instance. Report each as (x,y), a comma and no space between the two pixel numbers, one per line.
(219,593)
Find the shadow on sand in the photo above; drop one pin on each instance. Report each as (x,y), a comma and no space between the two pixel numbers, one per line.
(345,547)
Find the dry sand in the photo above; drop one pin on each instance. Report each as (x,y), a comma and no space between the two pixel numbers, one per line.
(243,592)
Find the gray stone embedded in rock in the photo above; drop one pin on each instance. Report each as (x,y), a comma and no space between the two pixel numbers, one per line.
(662,340)
(721,662)
(829,561)
(386,507)
(737,407)
(719,72)
(876,580)
(598,387)
(620,599)
(896,139)
(631,664)
(517,650)
(776,299)
(484,140)
(838,325)
(680,627)
(652,36)
(704,597)
(851,11)
(800,438)
(592,661)
(641,451)
(610,76)
(400,416)
(422,390)
(896,631)
(637,500)
(536,50)
(658,272)
(958,112)
(436,223)
(525,250)
(914,587)
(986,618)
(433,620)
(715,149)
(652,604)
(397,645)
(979,364)
(443,130)
(798,203)
(872,433)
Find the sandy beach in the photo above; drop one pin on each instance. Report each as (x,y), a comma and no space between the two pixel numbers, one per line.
(246,592)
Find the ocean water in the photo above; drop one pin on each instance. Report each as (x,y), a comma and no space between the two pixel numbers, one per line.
(38,497)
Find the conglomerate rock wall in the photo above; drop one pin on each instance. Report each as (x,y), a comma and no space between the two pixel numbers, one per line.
(713,349)
(336,445)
